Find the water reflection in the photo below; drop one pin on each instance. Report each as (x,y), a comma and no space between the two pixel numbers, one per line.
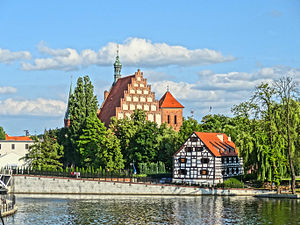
(155,210)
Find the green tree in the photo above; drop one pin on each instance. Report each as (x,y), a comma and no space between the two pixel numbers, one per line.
(188,127)
(91,134)
(2,133)
(44,153)
(82,104)
(287,90)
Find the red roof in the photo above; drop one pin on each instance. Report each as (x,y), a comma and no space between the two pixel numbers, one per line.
(113,99)
(17,138)
(168,101)
(216,145)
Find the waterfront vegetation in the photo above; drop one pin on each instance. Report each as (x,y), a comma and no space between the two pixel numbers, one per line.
(265,129)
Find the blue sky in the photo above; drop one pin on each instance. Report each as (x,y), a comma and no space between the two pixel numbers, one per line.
(210,53)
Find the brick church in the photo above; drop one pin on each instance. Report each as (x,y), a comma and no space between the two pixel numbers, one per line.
(132,92)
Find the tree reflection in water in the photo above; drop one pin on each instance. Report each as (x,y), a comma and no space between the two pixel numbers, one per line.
(156,210)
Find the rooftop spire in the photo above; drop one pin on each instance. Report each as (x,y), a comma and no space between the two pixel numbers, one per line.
(67,115)
(117,67)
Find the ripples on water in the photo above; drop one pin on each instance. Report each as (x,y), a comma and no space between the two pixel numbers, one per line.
(155,210)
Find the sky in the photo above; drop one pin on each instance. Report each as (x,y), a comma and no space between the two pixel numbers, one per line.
(211,54)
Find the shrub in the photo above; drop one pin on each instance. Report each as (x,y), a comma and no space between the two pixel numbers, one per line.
(231,183)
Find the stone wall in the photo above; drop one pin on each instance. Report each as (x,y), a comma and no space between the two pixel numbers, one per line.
(49,185)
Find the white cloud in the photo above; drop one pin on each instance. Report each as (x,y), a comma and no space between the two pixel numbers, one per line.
(38,107)
(7,56)
(133,52)
(8,90)
(221,91)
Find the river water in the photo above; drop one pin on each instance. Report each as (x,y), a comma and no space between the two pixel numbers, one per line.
(153,210)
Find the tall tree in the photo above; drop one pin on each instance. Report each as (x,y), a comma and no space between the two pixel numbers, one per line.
(82,104)
(287,91)
(2,133)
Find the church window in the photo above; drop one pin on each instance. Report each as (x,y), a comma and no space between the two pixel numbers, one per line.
(175,119)
(168,118)
(135,85)
(12,146)
(153,107)
(205,160)
(149,99)
(139,91)
(135,99)
(143,99)
(138,78)
(125,107)
(120,116)
(146,107)
(142,85)
(150,117)
(158,119)
(132,91)
(146,92)
(139,106)
(132,107)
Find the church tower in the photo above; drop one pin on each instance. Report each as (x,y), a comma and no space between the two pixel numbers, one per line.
(118,67)
(67,114)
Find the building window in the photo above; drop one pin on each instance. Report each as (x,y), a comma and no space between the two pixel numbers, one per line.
(182,160)
(194,139)
(0,146)
(205,160)
(182,172)
(199,149)
(168,118)
(188,149)
(26,146)
(203,172)
(12,146)
(175,119)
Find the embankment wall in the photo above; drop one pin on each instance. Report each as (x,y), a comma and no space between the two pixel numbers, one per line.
(53,185)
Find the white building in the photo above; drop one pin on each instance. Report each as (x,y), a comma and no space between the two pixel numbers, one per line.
(206,158)
(12,149)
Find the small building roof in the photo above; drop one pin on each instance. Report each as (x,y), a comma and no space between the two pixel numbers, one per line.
(17,138)
(168,101)
(218,143)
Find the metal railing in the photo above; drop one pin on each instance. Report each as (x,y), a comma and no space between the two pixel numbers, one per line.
(125,176)
(7,203)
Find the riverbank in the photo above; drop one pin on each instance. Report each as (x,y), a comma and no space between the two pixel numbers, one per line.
(57,185)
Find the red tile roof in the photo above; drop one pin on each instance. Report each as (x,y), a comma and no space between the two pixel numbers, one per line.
(17,138)
(113,99)
(216,145)
(168,101)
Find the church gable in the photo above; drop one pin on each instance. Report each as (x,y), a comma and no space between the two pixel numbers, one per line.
(139,96)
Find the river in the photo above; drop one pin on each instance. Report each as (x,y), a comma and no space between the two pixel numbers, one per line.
(153,210)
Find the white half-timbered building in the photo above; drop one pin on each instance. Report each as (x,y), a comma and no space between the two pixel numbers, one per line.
(206,158)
